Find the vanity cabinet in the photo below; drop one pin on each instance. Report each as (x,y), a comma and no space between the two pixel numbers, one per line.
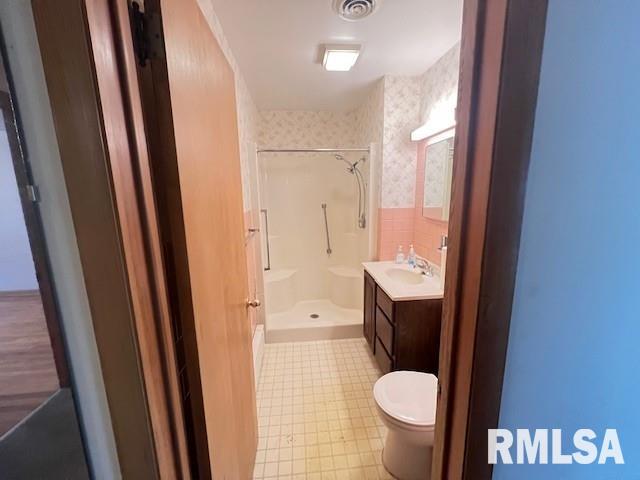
(403,335)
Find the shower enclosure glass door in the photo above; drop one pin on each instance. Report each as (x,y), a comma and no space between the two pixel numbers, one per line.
(315,205)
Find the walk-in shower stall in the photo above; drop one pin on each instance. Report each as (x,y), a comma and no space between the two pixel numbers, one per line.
(315,234)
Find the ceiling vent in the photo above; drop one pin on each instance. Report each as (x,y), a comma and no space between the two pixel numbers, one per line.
(354,10)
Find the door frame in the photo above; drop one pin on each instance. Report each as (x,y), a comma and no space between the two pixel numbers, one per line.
(500,58)
(88,64)
(501,52)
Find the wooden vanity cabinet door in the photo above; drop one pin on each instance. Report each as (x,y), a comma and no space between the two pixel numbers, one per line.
(384,331)
(382,357)
(385,303)
(369,329)
(417,331)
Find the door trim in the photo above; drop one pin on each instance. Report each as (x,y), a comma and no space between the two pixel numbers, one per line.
(103,161)
(501,54)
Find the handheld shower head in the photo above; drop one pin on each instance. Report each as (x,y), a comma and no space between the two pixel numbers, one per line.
(362,187)
(341,158)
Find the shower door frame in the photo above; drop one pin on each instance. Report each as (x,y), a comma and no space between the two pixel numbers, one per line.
(500,58)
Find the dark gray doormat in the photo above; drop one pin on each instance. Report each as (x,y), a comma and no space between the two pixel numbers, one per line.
(47,445)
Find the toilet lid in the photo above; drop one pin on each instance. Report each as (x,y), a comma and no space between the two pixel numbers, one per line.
(408,396)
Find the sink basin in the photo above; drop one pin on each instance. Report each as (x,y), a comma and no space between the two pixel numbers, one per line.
(405,276)
(402,283)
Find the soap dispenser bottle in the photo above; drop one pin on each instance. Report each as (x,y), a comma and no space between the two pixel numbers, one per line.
(411,258)
(399,255)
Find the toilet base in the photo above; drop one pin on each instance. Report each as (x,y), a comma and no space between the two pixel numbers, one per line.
(405,460)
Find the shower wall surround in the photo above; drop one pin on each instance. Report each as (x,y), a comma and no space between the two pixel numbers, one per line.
(317,129)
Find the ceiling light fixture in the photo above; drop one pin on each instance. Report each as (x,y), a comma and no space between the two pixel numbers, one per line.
(340,58)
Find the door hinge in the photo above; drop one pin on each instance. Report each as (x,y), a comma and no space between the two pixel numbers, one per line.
(146,31)
(33,193)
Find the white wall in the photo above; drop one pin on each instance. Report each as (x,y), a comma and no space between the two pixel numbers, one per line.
(573,344)
(18,28)
(16,263)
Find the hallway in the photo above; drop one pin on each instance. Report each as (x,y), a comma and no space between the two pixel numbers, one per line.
(27,369)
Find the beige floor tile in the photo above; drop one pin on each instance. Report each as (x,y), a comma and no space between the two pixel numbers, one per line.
(316,415)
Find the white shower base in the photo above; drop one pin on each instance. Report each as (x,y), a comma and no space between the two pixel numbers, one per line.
(296,324)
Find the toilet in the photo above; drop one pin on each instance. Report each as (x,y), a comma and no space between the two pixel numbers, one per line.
(406,403)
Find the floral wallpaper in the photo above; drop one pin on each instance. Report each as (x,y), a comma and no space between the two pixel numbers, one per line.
(401,116)
(440,82)
(306,129)
(369,117)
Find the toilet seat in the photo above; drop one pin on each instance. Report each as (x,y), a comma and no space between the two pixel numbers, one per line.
(408,397)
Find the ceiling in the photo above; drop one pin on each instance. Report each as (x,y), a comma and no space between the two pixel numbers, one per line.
(277,45)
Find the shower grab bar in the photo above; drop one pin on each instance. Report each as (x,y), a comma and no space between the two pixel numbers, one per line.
(266,235)
(326,228)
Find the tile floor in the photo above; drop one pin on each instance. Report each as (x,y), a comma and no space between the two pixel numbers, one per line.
(316,414)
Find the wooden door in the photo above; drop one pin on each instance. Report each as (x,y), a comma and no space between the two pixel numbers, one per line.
(190,110)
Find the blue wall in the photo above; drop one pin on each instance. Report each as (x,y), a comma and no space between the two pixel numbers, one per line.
(574,346)
(16,264)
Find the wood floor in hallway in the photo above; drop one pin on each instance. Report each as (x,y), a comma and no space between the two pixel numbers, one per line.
(27,368)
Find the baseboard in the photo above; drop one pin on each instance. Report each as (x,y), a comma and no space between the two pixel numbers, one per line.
(19,293)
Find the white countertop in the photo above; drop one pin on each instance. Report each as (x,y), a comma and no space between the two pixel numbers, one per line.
(389,276)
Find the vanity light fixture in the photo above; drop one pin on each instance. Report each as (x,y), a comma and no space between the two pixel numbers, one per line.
(442,117)
(340,58)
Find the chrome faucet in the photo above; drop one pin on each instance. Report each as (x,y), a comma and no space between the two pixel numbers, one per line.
(424,266)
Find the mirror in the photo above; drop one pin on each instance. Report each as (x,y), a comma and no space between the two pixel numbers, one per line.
(437,176)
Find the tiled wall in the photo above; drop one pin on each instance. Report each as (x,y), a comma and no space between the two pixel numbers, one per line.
(396,227)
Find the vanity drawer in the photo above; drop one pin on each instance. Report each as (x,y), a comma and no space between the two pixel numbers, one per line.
(384,302)
(384,362)
(384,330)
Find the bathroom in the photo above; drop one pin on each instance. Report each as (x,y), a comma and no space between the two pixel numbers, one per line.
(342,170)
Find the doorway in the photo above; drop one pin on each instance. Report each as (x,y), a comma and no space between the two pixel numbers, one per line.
(39,429)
